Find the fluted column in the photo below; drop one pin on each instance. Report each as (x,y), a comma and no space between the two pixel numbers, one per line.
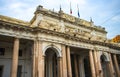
(92,63)
(69,62)
(96,63)
(116,65)
(111,66)
(64,68)
(15,58)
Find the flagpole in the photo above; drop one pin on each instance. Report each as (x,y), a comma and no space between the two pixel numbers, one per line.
(78,11)
(70,8)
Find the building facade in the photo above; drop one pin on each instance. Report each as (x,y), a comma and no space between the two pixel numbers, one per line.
(116,39)
(56,45)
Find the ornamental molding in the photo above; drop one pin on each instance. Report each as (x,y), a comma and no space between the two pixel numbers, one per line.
(101,48)
(31,33)
(69,43)
(12,33)
(114,51)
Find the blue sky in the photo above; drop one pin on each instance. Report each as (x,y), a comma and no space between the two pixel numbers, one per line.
(105,13)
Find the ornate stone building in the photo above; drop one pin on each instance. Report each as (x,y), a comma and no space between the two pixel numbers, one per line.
(116,39)
(56,45)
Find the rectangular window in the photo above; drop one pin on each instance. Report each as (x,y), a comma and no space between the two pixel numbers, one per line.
(2,51)
(19,71)
(20,52)
(1,71)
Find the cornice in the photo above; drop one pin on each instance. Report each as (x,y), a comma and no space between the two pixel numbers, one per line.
(13,20)
(35,30)
(60,17)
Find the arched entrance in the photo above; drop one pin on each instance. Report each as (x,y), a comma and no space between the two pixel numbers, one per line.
(51,63)
(105,66)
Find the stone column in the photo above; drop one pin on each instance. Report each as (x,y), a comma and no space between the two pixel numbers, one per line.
(64,68)
(96,63)
(81,67)
(15,58)
(41,60)
(116,65)
(92,63)
(69,62)
(111,66)
(33,59)
(36,58)
(76,66)
(59,67)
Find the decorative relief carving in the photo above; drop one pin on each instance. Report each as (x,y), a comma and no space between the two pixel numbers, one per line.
(86,23)
(77,32)
(68,17)
(69,30)
(60,27)
(49,25)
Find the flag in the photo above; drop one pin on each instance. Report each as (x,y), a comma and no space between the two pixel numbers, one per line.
(60,8)
(70,8)
(78,11)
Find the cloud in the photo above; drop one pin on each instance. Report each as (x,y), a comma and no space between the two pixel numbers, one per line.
(116,19)
(99,10)
(19,9)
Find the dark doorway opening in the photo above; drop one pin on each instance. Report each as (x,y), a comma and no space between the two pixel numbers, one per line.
(87,67)
(51,63)
(1,71)
(105,66)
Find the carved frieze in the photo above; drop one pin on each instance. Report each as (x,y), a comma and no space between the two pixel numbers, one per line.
(68,17)
(50,25)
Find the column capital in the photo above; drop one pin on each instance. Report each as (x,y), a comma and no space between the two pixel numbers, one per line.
(17,37)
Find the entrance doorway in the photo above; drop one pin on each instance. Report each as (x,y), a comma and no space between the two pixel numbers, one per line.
(51,63)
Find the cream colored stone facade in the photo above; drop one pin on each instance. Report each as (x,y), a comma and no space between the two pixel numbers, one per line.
(56,45)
